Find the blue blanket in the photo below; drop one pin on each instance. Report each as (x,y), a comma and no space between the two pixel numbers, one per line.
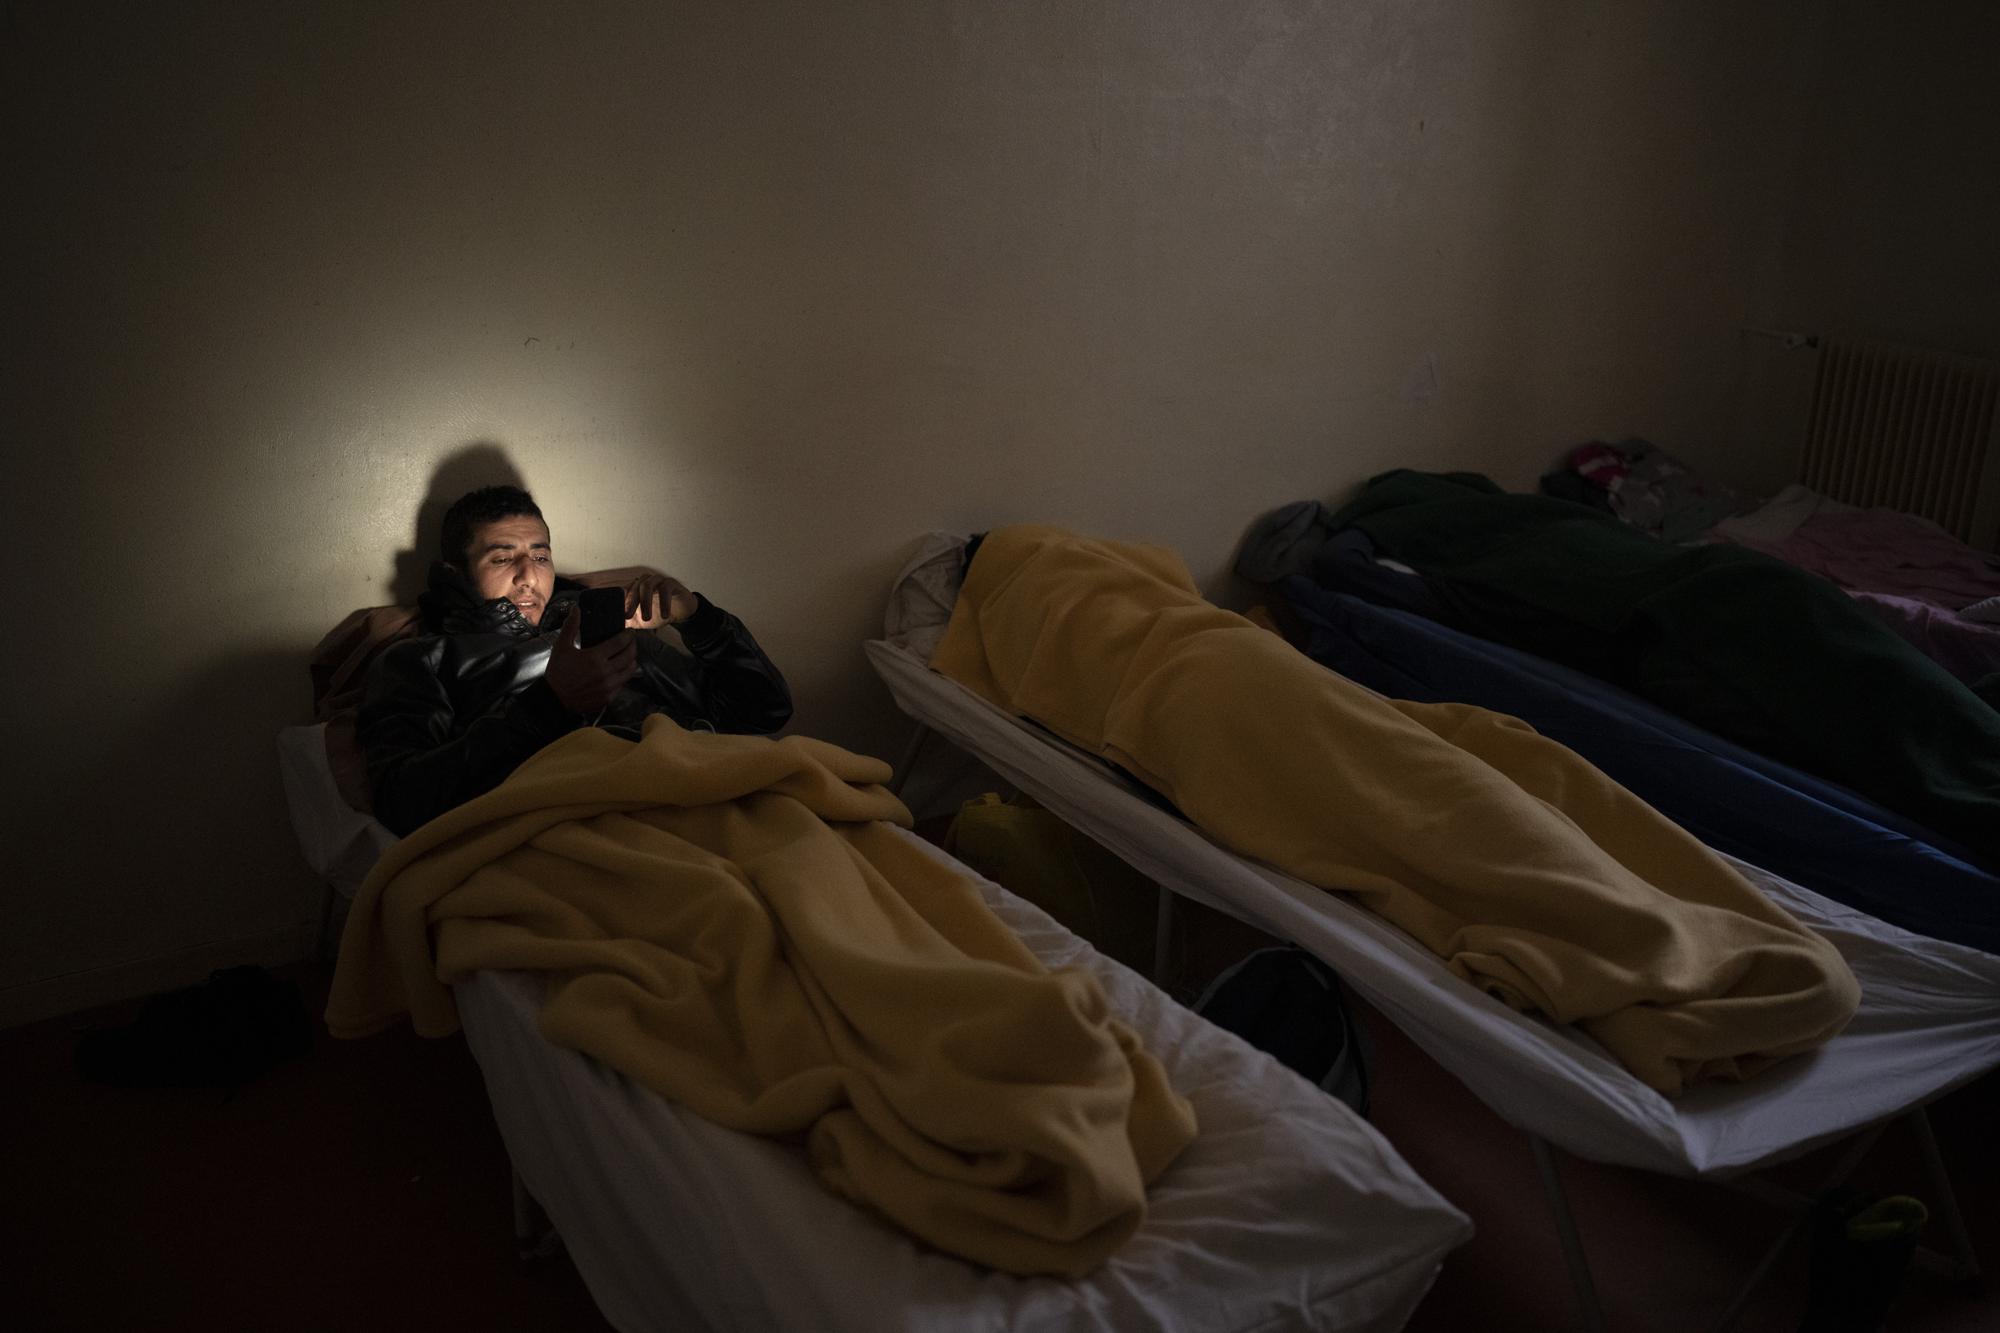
(1798,826)
(1735,641)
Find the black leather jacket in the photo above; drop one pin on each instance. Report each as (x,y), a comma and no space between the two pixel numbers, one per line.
(446,717)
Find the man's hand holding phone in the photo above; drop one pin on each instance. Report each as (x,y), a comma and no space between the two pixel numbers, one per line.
(653,599)
(585,679)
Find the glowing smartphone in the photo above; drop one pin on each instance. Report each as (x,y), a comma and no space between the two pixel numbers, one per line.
(603,614)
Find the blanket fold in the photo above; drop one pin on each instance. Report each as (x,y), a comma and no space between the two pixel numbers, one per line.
(1532,874)
(733,922)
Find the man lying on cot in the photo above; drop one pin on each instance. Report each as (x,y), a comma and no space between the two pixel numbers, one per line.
(1534,876)
(499,670)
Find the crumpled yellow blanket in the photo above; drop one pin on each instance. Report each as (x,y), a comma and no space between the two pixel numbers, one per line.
(1532,874)
(731,921)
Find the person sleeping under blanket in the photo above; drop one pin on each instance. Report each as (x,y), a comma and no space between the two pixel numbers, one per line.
(1534,876)
(1745,645)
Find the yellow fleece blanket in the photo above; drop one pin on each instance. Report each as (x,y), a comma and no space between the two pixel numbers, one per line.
(731,921)
(1532,874)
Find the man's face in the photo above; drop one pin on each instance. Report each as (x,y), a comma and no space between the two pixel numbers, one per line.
(510,558)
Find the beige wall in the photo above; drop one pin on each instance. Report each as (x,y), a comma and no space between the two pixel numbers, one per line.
(1894,227)
(1890,215)
(755,293)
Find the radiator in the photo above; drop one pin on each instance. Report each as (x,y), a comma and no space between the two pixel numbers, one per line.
(1909,429)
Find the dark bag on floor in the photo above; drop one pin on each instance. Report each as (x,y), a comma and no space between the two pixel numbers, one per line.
(1290,1005)
(232,1027)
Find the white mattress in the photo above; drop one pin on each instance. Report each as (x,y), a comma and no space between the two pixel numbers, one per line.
(339,842)
(1929,1018)
(1287,1211)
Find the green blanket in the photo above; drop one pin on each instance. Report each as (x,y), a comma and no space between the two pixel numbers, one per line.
(1747,646)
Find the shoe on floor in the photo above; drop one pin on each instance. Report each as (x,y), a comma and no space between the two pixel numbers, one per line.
(221,1033)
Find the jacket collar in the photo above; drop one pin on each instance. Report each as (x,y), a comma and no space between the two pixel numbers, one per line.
(450,605)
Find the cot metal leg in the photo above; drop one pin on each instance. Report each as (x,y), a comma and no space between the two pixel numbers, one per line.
(1793,1230)
(1588,1308)
(909,759)
(1964,1263)
(1163,938)
(1801,1221)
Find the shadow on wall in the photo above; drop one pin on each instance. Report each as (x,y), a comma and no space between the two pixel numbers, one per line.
(194,782)
(481,463)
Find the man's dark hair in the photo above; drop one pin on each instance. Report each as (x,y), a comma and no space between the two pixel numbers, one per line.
(470,510)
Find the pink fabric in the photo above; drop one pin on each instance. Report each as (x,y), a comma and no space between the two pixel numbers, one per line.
(1965,648)
(1884,551)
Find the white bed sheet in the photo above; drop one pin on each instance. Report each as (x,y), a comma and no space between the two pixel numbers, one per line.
(338,841)
(1929,1018)
(1287,1211)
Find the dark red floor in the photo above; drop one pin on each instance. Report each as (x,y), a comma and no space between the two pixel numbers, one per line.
(361,1187)
(364,1187)
(1666,1254)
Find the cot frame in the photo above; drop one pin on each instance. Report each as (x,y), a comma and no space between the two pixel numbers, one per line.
(1960,1264)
